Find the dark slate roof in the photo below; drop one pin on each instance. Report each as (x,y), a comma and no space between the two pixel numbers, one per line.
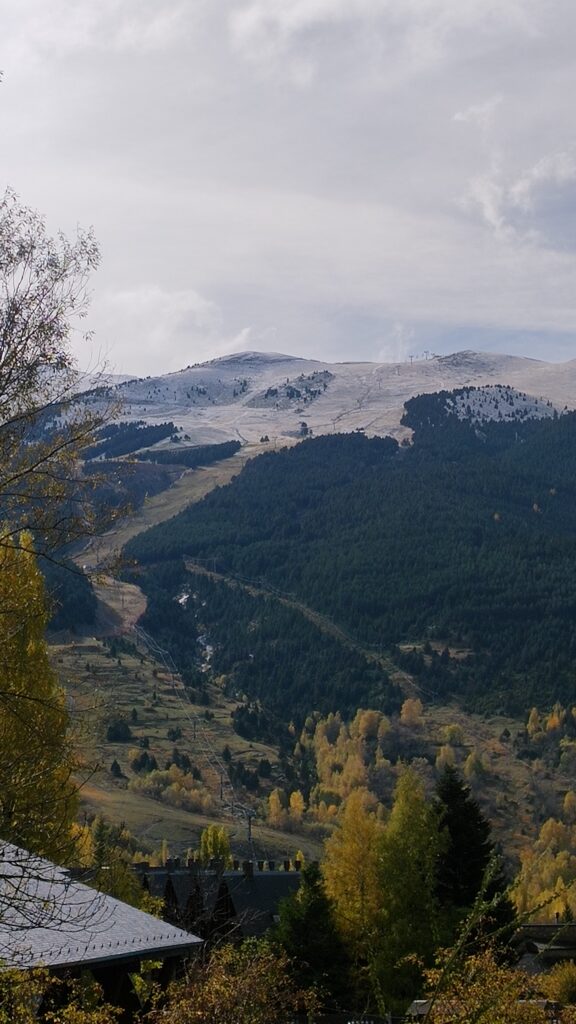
(560,934)
(48,919)
(249,900)
(256,898)
(185,882)
(541,945)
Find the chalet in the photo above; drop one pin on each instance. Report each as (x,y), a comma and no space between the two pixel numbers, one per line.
(540,946)
(242,902)
(48,919)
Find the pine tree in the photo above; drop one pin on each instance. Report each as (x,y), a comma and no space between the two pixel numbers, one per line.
(409,917)
(468,864)
(307,932)
(467,854)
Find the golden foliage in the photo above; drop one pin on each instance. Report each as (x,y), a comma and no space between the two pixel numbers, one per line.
(247,984)
(559,984)
(412,713)
(479,990)
(215,845)
(277,814)
(37,794)
(352,872)
(548,871)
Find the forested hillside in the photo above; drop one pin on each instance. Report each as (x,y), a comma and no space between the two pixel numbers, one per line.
(464,539)
(261,648)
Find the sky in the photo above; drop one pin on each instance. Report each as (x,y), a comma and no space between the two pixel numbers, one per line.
(336,179)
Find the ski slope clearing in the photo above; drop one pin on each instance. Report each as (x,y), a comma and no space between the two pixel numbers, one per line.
(255,394)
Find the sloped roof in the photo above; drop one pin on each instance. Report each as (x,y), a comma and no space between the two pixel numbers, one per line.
(186,882)
(47,919)
(256,897)
(562,933)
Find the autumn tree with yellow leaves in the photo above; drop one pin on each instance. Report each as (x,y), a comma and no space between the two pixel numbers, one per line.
(37,793)
(248,984)
(381,879)
(43,297)
(352,875)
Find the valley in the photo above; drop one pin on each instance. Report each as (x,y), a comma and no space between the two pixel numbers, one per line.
(207,693)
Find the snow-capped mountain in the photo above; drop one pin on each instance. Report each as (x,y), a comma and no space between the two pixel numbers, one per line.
(252,394)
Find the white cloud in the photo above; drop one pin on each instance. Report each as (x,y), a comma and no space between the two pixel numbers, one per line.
(510,205)
(487,194)
(398,345)
(286,174)
(410,37)
(39,32)
(181,325)
(481,115)
(149,320)
(555,169)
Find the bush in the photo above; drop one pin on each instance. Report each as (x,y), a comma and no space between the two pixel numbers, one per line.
(118,731)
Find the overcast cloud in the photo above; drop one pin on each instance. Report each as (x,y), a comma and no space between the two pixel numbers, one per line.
(339,179)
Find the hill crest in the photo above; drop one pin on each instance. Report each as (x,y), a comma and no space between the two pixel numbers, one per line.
(248,395)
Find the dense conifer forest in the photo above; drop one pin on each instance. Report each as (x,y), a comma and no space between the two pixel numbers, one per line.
(71,598)
(191,457)
(116,439)
(267,651)
(459,547)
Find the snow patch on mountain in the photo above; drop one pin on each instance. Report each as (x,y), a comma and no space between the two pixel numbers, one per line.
(295,391)
(498,403)
(248,395)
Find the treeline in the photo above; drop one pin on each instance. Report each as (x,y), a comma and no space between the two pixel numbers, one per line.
(466,538)
(117,439)
(200,455)
(260,648)
(125,484)
(71,598)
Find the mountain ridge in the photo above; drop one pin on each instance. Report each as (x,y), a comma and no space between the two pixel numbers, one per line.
(248,395)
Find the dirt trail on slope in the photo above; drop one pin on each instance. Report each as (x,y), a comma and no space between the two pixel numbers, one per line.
(120,604)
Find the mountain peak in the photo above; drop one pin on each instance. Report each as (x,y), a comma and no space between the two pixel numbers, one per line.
(253,358)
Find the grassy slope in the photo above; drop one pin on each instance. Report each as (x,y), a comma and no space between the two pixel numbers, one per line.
(101,686)
(98,686)
(190,487)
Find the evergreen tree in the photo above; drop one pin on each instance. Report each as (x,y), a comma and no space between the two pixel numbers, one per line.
(468,865)
(308,934)
(409,916)
(464,861)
